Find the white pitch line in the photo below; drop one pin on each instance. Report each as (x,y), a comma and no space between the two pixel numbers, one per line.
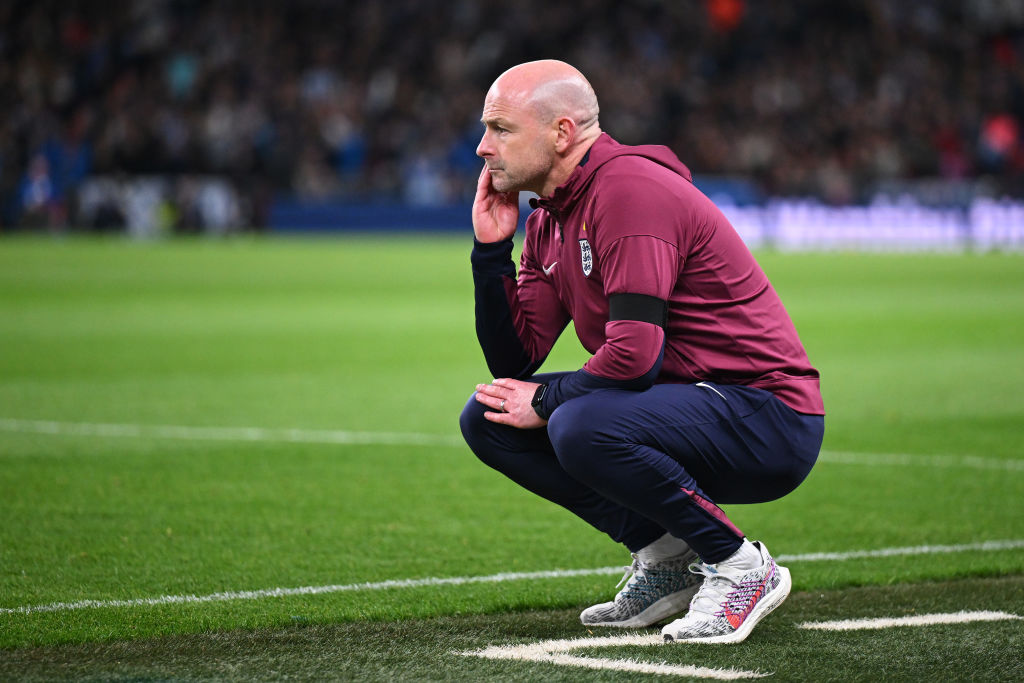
(929,461)
(917,620)
(307,590)
(987,546)
(315,436)
(557,652)
(360,438)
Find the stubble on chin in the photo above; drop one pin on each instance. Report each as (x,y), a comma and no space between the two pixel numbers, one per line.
(502,181)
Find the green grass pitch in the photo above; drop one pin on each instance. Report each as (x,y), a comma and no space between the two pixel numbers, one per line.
(204,418)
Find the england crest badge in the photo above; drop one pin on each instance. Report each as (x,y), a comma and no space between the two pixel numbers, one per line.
(587,256)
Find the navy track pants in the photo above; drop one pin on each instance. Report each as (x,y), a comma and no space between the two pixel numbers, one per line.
(636,465)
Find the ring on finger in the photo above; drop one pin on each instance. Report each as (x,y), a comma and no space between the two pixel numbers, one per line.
(501,406)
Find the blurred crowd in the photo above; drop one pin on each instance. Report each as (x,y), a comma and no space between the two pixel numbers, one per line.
(324,99)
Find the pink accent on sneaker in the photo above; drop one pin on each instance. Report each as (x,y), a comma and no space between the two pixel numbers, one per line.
(736,618)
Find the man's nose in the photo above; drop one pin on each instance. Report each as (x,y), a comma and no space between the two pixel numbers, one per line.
(485,149)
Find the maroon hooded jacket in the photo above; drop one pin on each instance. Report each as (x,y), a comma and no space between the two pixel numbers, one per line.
(630,221)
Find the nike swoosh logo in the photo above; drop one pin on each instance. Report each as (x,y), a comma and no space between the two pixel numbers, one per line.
(735,618)
(704,385)
(547,269)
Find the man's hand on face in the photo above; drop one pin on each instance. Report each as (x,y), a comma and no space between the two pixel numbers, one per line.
(495,214)
(512,401)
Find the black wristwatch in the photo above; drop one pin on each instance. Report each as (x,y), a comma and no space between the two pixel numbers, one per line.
(538,398)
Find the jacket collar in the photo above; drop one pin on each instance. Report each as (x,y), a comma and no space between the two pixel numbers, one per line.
(565,197)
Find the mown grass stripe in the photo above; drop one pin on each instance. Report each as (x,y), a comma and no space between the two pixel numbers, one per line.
(987,546)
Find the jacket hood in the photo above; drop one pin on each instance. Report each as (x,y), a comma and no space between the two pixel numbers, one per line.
(604,149)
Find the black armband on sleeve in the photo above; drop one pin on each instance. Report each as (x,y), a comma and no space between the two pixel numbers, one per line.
(641,307)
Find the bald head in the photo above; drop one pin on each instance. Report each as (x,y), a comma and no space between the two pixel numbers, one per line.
(540,120)
(553,89)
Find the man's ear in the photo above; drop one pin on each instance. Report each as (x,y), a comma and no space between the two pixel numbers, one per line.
(565,133)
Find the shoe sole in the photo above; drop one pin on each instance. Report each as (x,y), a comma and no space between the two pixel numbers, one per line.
(664,608)
(760,611)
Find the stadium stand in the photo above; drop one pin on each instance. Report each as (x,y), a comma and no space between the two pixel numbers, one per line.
(213,115)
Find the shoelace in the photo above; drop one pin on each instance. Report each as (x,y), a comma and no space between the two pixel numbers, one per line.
(723,594)
(714,593)
(635,569)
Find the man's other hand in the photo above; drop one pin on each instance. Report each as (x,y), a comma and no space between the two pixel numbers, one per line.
(512,403)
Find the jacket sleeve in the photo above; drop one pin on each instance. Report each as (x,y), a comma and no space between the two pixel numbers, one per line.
(519,319)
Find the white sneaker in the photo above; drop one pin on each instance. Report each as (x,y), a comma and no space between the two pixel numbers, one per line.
(731,601)
(655,591)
